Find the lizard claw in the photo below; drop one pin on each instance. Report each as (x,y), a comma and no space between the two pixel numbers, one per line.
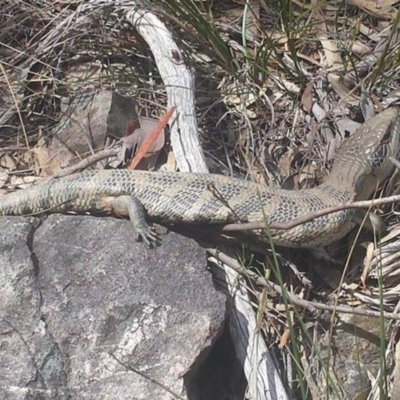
(148,236)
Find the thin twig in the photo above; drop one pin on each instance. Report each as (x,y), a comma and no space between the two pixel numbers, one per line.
(13,148)
(87,162)
(310,216)
(310,305)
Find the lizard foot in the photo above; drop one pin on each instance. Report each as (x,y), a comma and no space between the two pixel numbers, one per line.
(148,236)
(131,206)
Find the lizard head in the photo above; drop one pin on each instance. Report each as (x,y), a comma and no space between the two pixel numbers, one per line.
(365,157)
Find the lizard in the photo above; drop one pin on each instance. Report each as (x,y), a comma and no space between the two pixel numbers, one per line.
(362,162)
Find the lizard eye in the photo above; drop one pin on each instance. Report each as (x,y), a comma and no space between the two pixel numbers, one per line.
(379,156)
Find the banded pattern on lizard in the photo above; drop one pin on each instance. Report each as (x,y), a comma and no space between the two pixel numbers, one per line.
(362,160)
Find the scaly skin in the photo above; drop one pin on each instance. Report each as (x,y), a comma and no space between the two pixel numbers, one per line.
(362,160)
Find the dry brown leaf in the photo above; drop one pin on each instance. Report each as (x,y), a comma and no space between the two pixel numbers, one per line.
(134,141)
(292,179)
(284,163)
(284,339)
(306,98)
(342,91)
(396,372)
(332,53)
(307,176)
(22,182)
(170,165)
(44,163)
(367,262)
(371,34)
(3,178)
(363,395)
(8,163)
(359,48)
(378,8)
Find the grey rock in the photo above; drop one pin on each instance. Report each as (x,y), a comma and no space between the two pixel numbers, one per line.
(353,351)
(83,126)
(87,120)
(88,313)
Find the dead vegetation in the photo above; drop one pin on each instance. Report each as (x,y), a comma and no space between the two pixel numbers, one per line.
(278,85)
